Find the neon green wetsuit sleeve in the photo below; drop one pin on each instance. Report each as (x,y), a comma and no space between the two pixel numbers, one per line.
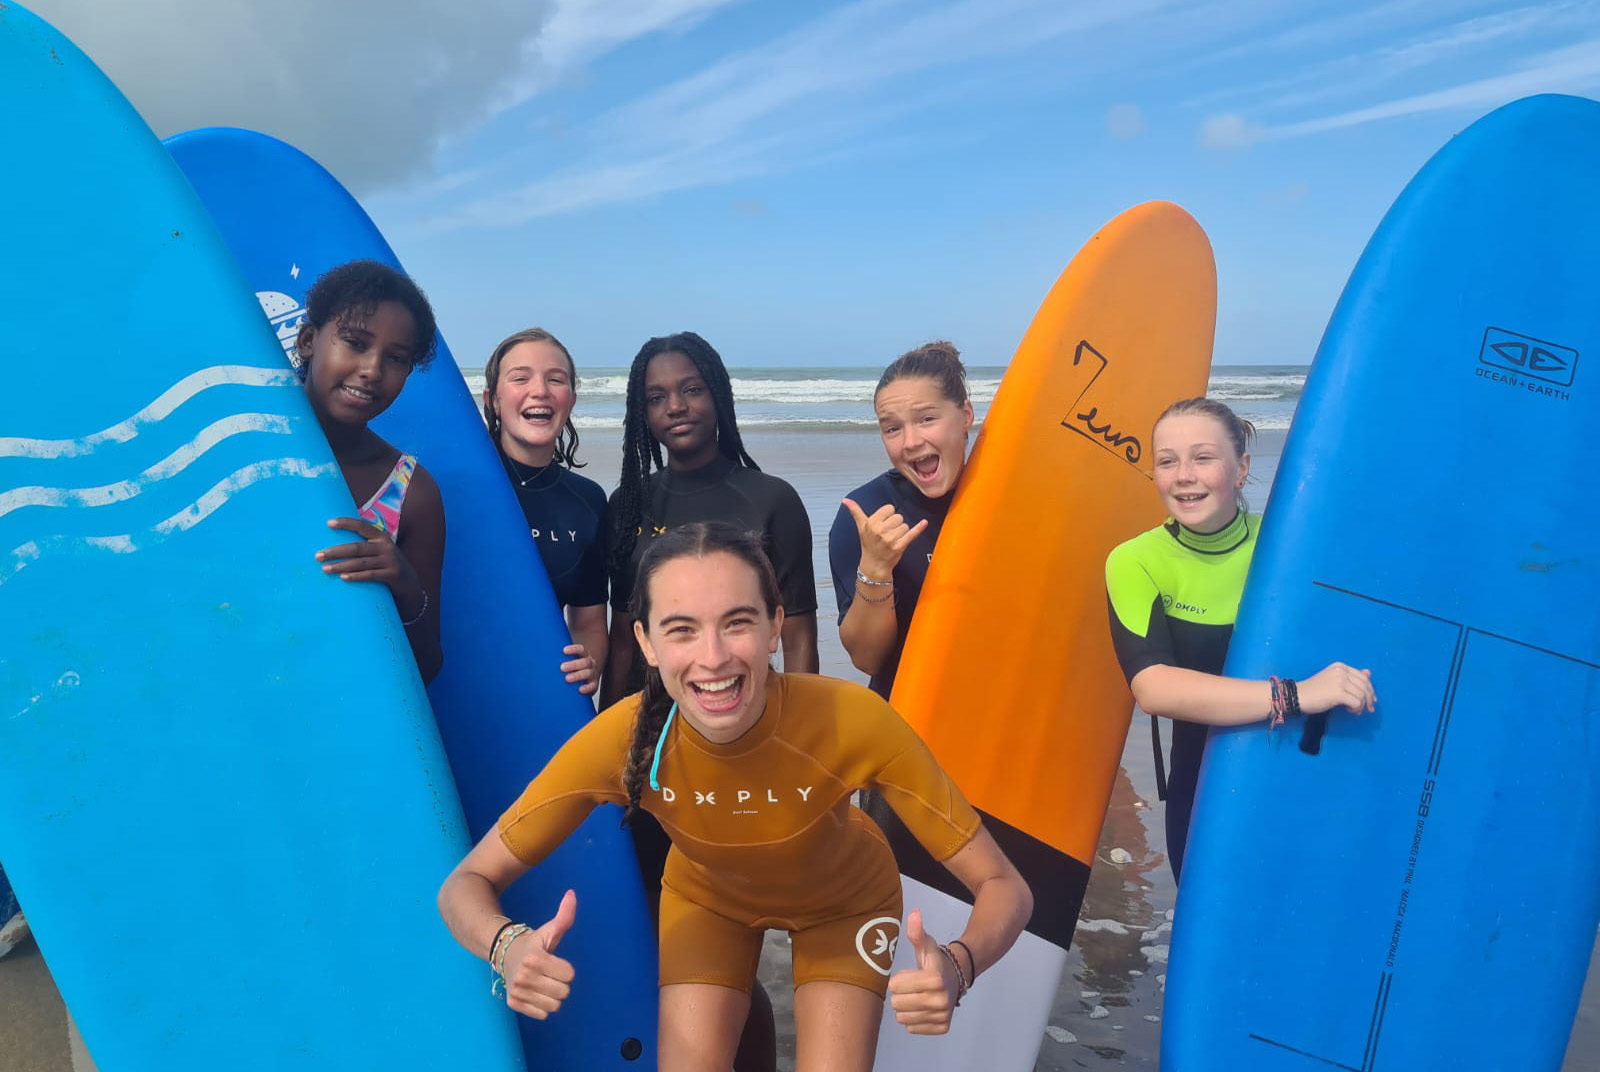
(1139,632)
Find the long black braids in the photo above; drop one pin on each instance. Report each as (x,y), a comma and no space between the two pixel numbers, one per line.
(697,539)
(641,454)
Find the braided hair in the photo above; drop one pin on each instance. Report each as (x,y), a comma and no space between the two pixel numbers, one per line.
(697,539)
(567,443)
(641,453)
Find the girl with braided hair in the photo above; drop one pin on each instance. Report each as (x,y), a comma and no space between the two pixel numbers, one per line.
(680,398)
(750,771)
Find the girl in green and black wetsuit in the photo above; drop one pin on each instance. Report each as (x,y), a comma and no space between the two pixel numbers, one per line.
(1174,592)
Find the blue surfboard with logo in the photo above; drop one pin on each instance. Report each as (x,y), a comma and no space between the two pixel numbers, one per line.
(1420,889)
(223,799)
(502,704)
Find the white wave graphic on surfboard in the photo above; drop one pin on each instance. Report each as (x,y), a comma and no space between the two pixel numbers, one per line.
(175,463)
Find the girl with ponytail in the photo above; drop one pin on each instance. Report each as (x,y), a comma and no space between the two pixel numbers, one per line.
(751,772)
(1174,594)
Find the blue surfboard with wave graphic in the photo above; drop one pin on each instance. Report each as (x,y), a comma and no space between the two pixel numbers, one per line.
(502,705)
(1364,901)
(222,795)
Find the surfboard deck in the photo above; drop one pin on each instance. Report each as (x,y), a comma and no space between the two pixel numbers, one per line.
(222,796)
(1008,671)
(1369,907)
(502,704)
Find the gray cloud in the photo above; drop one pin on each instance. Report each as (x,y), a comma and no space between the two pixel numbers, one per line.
(370,88)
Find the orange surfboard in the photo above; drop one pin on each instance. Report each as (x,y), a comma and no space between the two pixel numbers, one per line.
(1008,671)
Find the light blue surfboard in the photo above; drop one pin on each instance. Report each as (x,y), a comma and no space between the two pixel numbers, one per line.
(1422,893)
(222,796)
(502,704)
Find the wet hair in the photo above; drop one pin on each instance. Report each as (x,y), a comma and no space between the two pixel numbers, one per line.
(641,453)
(697,539)
(352,292)
(1239,431)
(939,361)
(567,441)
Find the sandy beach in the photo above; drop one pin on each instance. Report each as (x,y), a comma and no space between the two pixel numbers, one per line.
(1108,1008)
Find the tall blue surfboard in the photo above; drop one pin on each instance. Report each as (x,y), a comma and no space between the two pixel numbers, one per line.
(1423,890)
(222,795)
(502,704)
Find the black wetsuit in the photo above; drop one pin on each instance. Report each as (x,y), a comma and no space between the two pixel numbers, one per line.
(722,490)
(1174,595)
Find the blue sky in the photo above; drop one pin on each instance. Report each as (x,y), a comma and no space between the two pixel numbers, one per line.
(832,183)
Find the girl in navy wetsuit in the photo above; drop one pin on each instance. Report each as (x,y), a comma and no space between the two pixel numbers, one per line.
(882,539)
(530,388)
(1174,593)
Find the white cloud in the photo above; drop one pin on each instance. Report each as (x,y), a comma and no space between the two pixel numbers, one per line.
(1569,70)
(1229,132)
(368,87)
(1125,121)
(580,31)
(1372,47)
(817,92)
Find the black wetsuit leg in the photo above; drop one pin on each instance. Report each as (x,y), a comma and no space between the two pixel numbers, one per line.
(1188,747)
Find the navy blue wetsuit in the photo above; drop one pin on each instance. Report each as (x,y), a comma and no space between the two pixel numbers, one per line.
(564,512)
(844,556)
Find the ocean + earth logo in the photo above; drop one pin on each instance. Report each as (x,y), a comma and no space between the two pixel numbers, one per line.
(1527,359)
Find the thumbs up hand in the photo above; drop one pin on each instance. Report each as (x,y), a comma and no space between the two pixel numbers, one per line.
(924,997)
(538,981)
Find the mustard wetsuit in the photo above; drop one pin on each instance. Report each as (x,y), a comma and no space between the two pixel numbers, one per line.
(763,832)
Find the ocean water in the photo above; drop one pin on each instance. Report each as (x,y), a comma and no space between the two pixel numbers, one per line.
(840,399)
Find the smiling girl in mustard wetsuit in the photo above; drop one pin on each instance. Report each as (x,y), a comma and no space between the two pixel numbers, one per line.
(750,772)
(1174,593)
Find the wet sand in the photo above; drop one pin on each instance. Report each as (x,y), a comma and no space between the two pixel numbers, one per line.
(1107,1011)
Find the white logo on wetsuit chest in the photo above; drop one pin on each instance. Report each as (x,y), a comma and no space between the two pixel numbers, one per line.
(741,798)
(554,537)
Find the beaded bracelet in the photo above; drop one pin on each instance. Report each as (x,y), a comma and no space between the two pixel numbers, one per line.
(862,578)
(885,598)
(972,961)
(497,956)
(961,980)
